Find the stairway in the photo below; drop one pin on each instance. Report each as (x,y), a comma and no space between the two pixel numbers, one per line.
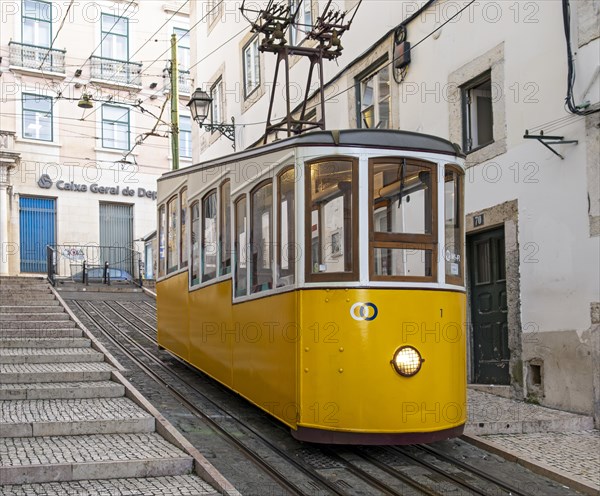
(62,417)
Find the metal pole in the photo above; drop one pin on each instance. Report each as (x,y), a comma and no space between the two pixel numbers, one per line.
(174,103)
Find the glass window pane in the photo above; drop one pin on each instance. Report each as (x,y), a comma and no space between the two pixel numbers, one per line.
(162,228)
(452,224)
(185,137)
(241,248)
(183,242)
(195,275)
(402,198)
(483,263)
(172,210)
(225,231)
(402,262)
(330,216)
(286,266)
(209,236)
(260,232)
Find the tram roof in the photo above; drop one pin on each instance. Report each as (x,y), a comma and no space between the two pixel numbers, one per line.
(358,138)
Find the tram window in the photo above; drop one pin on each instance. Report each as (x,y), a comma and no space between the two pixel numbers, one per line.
(402,200)
(403,211)
(162,227)
(172,211)
(331,217)
(261,275)
(241,247)
(183,243)
(286,252)
(209,236)
(453,220)
(225,228)
(195,252)
(402,262)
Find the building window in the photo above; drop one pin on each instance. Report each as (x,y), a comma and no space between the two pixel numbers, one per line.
(374,100)
(183,49)
(115,127)
(213,10)
(37,23)
(261,229)
(37,117)
(303,22)
(225,229)
(216,111)
(185,136)
(477,113)
(331,220)
(115,37)
(251,67)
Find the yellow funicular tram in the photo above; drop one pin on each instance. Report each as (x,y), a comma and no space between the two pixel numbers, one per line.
(322,278)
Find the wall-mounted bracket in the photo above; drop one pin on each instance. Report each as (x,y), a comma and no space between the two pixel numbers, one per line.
(549,140)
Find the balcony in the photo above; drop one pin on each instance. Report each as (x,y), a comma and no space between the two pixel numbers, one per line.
(37,58)
(117,72)
(184,86)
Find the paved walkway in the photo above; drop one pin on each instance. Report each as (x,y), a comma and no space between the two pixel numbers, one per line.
(561,445)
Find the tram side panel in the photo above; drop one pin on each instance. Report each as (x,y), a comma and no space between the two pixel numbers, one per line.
(348,382)
(212,331)
(265,354)
(173,315)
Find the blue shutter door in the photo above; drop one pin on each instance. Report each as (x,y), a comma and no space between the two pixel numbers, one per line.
(37,219)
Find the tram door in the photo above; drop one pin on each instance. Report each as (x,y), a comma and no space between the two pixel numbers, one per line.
(489,310)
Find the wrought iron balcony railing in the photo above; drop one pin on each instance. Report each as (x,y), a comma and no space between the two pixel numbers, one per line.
(185,81)
(37,57)
(116,71)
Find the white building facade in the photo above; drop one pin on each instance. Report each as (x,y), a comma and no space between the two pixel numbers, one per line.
(483,75)
(82,88)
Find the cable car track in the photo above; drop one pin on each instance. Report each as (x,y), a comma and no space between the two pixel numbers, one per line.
(125,315)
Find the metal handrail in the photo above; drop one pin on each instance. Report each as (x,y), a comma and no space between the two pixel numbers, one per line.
(128,62)
(50,49)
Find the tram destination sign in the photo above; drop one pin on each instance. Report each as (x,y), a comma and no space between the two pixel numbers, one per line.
(45,182)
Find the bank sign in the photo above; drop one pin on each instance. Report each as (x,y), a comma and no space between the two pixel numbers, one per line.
(45,182)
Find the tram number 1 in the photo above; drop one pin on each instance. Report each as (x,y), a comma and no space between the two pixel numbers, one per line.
(329,331)
(328,412)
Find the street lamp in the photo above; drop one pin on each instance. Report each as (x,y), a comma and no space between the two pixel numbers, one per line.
(199,105)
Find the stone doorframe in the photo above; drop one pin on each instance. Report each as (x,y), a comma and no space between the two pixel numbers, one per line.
(506,214)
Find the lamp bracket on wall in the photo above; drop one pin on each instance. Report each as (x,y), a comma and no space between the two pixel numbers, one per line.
(547,140)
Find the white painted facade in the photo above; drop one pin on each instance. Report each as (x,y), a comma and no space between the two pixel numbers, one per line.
(77,150)
(548,207)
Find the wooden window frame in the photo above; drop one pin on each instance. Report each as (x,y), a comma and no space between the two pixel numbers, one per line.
(353,275)
(405,241)
(224,229)
(250,218)
(192,255)
(202,234)
(279,230)
(237,249)
(162,230)
(460,279)
(467,123)
(174,268)
(183,240)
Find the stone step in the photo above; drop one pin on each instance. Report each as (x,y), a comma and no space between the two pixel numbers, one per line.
(22,317)
(72,417)
(179,485)
(50,333)
(31,303)
(44,459)
(20,286)
(25,290)
(61,390)
(26,299)
(37,324)
(15,373)
(44,343)
(50,355)
(51,307)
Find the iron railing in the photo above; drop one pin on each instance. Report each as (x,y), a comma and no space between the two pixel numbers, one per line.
(37,57)
(94,264)
(116,71)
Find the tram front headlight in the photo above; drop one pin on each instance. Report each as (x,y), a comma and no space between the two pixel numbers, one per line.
(407,361)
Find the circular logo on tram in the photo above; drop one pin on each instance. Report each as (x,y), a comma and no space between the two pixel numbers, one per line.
(364,311)
(45,181)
